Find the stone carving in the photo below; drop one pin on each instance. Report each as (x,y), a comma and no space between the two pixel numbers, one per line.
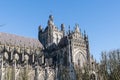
(5,55)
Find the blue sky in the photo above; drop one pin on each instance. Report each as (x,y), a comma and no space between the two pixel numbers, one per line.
(100,19)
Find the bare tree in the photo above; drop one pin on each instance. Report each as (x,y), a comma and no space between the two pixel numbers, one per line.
(110,65)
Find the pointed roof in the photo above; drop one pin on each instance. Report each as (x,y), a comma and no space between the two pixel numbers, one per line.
(77,28)
(63,42)
(51,17)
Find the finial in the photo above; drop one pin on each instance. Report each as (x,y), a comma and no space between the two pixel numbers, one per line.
(85,36)
(40,28)
(50,21)
(51,18)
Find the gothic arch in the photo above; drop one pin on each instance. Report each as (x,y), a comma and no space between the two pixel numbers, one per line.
(93,75)
(79,54)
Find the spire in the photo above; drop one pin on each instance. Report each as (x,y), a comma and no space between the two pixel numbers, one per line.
(63,29)
(85,35)
(69,29)
(84,32)
(77,28)
(51,18)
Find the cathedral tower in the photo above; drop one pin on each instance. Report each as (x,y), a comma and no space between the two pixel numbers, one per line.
(51,35)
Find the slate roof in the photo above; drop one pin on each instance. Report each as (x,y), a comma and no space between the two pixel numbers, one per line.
(21,41)
(63,42)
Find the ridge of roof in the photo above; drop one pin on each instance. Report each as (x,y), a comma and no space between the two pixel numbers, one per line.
(19,40)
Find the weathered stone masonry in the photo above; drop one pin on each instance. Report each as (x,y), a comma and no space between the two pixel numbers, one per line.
(52,57)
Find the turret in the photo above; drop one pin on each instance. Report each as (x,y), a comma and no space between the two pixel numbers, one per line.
(50,35)
(50,21)
(40,28)
(63,29)
(39,31)
(87,47)
(51,18)
(85,35)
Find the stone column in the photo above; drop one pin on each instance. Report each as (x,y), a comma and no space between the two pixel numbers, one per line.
(15,69)
(2,68)
(26,58)
(46,74)
(36,73)
(16,57)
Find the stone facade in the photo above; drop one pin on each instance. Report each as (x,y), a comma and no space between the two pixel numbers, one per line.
(52,57)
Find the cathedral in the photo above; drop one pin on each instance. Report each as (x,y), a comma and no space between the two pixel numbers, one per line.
(55,55)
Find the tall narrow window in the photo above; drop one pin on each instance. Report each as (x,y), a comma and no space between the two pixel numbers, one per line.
(78,62)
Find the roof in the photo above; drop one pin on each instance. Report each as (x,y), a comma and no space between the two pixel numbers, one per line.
(21,41)
(63,42)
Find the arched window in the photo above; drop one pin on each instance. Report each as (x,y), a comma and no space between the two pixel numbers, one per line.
(78,62)
(92,76)
(65,59)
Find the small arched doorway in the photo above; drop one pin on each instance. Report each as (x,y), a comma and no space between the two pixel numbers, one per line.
(92,77)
